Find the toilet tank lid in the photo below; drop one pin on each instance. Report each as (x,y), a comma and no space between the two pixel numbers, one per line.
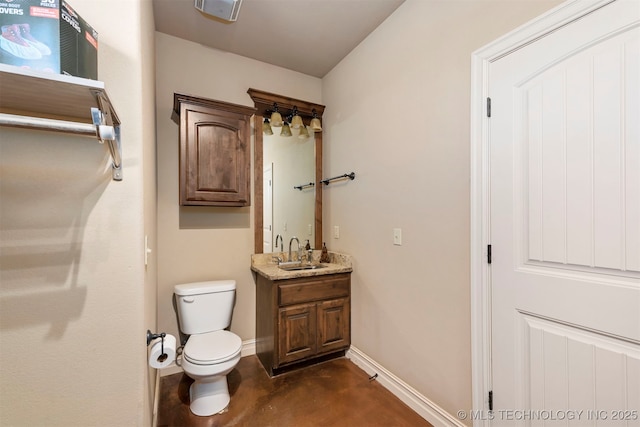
(205,287)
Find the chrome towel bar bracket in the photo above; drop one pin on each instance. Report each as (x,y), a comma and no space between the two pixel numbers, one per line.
(108,132)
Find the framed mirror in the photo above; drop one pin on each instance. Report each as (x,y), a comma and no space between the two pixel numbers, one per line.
(293,169)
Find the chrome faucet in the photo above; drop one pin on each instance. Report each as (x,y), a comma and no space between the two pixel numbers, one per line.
(290,242)
(281,243)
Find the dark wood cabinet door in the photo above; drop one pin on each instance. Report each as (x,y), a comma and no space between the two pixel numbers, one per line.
(297,332)
(214,152)
(334,331)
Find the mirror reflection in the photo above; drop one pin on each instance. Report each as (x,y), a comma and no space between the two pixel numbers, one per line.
(292,161)
(288,162)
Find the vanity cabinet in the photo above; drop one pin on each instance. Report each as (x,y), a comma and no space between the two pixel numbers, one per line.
(214,151)
(302,319)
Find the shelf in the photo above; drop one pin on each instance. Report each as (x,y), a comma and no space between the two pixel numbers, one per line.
(60,103)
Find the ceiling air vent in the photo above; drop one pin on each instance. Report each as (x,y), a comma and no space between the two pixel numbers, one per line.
(223,9)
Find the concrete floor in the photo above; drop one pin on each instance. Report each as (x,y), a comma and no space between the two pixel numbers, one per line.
(332,393)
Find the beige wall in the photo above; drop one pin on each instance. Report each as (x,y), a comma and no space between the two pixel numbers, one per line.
(148,135)
(398,115)
(206,243)
(74,296)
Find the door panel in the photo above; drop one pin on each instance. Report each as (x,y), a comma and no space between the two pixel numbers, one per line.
(569,367)
(579,158)
(565,219)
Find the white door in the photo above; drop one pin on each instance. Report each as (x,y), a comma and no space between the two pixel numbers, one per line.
(267,206)
(565,224)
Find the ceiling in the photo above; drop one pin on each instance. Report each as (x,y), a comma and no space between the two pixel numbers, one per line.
(308,36)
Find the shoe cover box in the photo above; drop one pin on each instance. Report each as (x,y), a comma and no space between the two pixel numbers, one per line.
(78,45)
(47,36)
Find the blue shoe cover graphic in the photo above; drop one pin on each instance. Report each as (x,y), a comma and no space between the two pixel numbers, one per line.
(17,40)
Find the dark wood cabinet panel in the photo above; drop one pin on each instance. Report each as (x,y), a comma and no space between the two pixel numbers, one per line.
(214,152)
(297,331)
(334,332)
(301,319)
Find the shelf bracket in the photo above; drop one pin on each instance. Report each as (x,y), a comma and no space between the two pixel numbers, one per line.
(108,133)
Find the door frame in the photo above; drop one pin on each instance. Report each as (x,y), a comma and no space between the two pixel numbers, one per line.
(528,33)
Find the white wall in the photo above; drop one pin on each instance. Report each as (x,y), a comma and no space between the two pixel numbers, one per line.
(208,243)
(398,115)
(74,296)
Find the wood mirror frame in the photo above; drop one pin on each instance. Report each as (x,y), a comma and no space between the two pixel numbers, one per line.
(264,106)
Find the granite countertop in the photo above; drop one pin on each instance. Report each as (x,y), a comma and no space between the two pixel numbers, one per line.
(264,265)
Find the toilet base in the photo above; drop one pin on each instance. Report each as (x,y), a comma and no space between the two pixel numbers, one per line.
(209,398)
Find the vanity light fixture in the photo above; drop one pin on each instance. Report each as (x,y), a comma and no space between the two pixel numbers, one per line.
(293,120)
(276,117)
(315,121)
(296,121)
(266,127)
(304,133)
(286,130)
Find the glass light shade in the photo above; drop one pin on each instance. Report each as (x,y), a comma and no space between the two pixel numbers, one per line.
(296,122)
(304,133)
(276,119)
(315,124)
(266,127)
(286,130)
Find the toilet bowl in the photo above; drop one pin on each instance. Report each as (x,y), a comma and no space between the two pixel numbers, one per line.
(208,358)
(211,351)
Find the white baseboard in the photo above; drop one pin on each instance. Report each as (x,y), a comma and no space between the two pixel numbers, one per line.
(403,391)
(248,348)
(170,370)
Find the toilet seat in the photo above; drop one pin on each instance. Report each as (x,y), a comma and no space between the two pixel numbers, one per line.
(212,347)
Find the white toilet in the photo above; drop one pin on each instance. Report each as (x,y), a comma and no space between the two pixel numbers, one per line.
(204,311)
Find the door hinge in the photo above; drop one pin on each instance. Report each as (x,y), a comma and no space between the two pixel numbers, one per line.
(491,400)
(488,107)
(488,254)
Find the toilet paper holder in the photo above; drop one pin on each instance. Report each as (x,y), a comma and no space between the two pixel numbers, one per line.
(161,335)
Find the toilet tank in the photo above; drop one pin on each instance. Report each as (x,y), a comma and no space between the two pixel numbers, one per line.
(205,306)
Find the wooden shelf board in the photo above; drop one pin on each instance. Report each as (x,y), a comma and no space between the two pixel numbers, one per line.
(48,95)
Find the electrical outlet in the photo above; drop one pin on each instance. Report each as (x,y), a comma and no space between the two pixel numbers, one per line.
(310,231)
(397,236)
(336,232)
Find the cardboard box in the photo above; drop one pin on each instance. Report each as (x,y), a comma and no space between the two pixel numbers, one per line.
(78,45)
(47,36)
